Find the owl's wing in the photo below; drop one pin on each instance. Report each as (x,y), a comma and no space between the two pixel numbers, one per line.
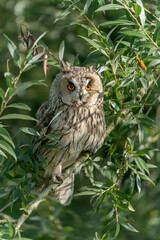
(44,116)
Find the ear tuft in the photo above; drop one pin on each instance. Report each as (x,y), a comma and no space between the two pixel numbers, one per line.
(65,66)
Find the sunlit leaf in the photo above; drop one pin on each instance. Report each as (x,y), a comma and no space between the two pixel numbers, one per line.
(142,13)
(61,51)
(13,50)
(137,10)
(30,131)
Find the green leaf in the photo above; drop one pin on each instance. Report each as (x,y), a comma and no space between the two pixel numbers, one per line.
(11,230)
(137,9)
(157,32)
(141,164)
(95,45)
(2,94)
(64,13)
(17,116)
(87,4)
(138,183)
(128,226)
(133,33)
(117,22)
(35,43)
(30,131)
(4,133)
(20,106)
(61,51)
(145,177)
(142,13)
(5,146)
(154,62)
(145,44)
(110,7)
(3,154)
(26,85)
(13,50)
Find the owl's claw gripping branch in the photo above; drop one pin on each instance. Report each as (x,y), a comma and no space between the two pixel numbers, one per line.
(57,174)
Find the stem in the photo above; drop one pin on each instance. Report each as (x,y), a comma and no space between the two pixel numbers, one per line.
(14,86)
(100,35)
(138,24)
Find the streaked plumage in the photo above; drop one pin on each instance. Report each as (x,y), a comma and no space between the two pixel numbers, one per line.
(74,114)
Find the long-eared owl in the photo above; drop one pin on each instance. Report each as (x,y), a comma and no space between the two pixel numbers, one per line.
(74,116)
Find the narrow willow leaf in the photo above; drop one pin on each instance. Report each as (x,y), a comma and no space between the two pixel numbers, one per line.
(13,50)
(17,116)
(154,63)
(145,177)
(142,13)
(128,226)
(26,85)
(65,12)
(2,94)
(145,44)
(142,165)
(87,4)
(95,45)
(35,43)
(5,146)
(11,230)
(117,230)
(30,131)
(110,7)
(20,106)
(138,183)
(133,34)
(61,51)
(131,183)
(117,22)
(3,154)
(157,32)
(137,9)
(4,133)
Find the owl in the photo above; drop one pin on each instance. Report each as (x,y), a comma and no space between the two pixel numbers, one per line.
(74,122)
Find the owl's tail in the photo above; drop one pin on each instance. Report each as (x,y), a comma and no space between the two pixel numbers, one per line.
(63,193)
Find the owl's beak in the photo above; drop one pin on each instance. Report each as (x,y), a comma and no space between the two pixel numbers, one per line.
(80,96)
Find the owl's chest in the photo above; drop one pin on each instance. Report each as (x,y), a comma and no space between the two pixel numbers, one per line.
(81,128)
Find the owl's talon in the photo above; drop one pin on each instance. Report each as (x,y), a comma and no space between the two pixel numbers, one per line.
(57,179)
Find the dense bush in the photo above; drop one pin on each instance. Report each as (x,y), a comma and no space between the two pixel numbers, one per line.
(117,191)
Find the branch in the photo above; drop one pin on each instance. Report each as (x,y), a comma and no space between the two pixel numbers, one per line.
(41,197)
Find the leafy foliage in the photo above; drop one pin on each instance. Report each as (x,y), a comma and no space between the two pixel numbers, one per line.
(122,40)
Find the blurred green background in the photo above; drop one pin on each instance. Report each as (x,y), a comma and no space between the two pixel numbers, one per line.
(51,220)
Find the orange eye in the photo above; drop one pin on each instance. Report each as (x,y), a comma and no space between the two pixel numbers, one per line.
(88,87)
(71,86)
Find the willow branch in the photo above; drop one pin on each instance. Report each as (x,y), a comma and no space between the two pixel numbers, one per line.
(41,197)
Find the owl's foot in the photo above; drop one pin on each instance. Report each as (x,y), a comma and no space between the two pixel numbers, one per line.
(57,174)
(57,178)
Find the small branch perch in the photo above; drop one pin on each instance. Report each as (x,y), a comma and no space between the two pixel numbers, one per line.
(41,197)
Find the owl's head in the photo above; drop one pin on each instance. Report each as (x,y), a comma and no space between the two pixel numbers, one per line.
(78,86)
